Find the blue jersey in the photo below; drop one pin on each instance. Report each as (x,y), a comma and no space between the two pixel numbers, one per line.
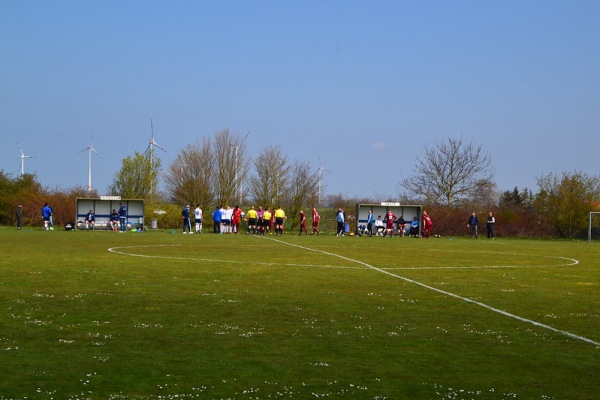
(46,212)
(370,218)
(185,213)
(123,211)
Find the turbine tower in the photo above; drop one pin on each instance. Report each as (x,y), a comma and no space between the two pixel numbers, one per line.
(320,172)
(23,157)
(151,143)
(89,149)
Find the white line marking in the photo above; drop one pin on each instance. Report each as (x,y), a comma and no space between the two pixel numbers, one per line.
(116,250)
(496,310)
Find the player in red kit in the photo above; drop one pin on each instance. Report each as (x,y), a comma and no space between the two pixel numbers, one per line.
(427,225)
(390,217)
(316,218)
(303,223)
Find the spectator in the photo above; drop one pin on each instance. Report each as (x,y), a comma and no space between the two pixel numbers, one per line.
(90,220)
(340,222)
(370,221)
(401,225)
(19,214)
(379,226)
(123,217)
(414,227)
(46,213)
(472,225)
(187,222)
(113,220)
(491,221)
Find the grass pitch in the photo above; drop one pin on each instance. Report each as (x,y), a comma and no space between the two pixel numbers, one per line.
(99,315)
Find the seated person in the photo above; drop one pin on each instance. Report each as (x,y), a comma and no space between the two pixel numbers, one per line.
(401,225)
(90,220)
(379,227)
(414,227)
(114,220)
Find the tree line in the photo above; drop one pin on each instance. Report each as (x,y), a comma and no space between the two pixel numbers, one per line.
(451,178)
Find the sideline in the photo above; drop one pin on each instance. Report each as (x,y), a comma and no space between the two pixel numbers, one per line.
(466,299)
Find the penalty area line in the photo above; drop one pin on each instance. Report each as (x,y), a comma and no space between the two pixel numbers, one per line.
(450,294)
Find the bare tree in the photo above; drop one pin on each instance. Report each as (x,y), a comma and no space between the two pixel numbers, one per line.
(303,190)
(190,177)
(271,178)
(450,172)
(232,166)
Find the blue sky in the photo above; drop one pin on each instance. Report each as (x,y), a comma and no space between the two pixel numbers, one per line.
(365,86)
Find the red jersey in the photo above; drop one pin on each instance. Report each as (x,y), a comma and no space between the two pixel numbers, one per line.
(237,214)
(390,218)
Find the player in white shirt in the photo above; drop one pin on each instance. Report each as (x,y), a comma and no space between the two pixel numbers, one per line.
(198,218)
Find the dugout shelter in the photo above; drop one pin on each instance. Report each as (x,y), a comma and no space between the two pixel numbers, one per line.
(408,212)
(103,207)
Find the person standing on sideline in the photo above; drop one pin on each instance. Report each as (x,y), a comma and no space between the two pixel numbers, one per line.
(50,221)
(46,213)
(340,222)
(123,217)
(472,225)
(198,218)
(303,223)
(216,215)
(370,221)
(427,225)
(315,221)
(279,219)
(187,223)
(491,221)
(252,215)
(19,214)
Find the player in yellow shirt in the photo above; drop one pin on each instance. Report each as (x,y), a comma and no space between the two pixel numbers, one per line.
(279,220)
(266,221)
(252,216)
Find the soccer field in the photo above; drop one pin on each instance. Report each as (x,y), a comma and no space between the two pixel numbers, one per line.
(101,315)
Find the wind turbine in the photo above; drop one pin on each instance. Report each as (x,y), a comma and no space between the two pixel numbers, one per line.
(151,144)
(320,172)
(23,157)
(89,149)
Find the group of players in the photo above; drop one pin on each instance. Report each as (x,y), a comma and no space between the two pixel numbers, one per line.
(227,220)
(385,226)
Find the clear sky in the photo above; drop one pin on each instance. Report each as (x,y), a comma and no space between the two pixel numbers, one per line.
(364,85)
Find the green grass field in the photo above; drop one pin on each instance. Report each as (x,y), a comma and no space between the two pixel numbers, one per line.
(101,315)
